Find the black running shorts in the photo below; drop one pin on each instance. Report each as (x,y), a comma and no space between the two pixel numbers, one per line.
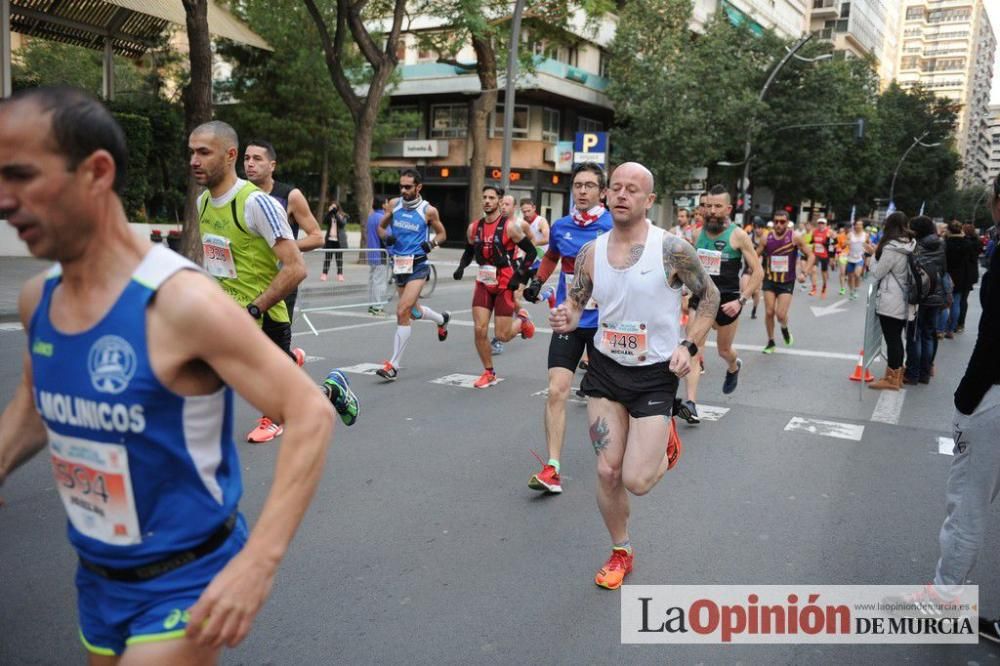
(644,390)
(721,318)
(566,349)
(779,288)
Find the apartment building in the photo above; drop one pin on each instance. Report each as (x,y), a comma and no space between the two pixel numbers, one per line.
(859,28)
(948,47)
(994,130)
(788,18)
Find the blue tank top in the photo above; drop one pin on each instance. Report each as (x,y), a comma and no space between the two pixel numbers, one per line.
(567,237)
(410,229)
(142,472)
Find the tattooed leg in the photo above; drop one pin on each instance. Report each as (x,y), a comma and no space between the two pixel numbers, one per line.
(608,430)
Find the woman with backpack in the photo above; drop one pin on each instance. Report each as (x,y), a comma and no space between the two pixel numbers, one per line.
(892,277)
(921,338)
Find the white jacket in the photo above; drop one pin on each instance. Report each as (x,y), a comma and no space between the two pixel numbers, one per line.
(892,275)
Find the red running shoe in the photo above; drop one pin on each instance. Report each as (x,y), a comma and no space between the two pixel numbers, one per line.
(613,572)
(527,328)
(300,356)
(546,481)
(488,378)
(674,445)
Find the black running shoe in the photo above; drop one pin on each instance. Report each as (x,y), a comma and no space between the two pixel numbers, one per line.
(732,378)
(387,371)
(443,328)
(583,365)
(687,410)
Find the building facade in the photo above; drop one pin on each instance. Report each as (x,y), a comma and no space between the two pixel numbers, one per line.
(859,28)
(948,48)
(788,18)
(994,130)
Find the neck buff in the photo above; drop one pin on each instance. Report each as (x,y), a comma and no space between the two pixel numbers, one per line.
(411,205)
(583,218)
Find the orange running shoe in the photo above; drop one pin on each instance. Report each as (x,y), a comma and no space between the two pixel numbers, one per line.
(674,445)
(546,481)
(812,292)
(527,328)
(300,356)
(387,371)
(488,378)
(265,431)
(613,572)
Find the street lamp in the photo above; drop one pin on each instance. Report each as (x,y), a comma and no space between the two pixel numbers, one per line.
(917,141)
(508,98)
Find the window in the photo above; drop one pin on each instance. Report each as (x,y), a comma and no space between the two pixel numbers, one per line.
(914,13)
(550,125)
(588,125)
(519,128)
(449,121)
(602,67)
(407,120)
(845,10)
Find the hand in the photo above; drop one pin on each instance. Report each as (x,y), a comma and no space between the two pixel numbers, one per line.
(459,272)
(426,247)
(732,308)
(559,319)
(801,277)
(390,240)
(680,360)
(532,291)
(227,608)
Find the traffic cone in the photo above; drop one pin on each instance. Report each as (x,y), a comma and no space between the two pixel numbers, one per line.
(856,375)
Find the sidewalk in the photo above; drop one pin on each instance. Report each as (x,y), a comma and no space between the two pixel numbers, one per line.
(16,271)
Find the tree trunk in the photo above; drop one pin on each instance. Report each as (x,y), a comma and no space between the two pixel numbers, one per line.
(363,189)
(197,110)
(479,117)
(324,183)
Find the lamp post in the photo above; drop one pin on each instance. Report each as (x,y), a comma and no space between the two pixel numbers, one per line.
(509,92)
(917,141)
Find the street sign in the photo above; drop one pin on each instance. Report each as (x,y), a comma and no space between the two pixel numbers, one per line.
(591,147)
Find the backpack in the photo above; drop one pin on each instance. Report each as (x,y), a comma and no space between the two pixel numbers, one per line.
(923,280)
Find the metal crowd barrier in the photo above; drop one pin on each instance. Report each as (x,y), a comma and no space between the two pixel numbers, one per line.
(872,348)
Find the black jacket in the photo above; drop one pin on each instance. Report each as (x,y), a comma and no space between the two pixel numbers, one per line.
(930,252)
(957,251)
(984,366)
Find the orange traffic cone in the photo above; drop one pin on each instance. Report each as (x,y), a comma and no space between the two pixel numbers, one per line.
(856,375)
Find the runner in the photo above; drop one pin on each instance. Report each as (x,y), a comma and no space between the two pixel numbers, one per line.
(491,241)
(780,248)
(756,233)
(857,246)
(684,228)
(259,163)
(246,237)
(568,235)
(635,273)
(404,232)
(507,208)
(807,238)
(539,227)
(723,249)
(821,245)
(842,259)
(133,355)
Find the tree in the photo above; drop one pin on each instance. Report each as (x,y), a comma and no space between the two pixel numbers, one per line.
(348,19)
(197,110)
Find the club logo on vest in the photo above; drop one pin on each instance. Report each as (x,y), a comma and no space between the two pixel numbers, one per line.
(111,363)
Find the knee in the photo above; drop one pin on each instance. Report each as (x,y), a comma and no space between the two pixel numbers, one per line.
(639,484)
(608,475)
(504,333)
(481,330)
(558,391)
(402,315)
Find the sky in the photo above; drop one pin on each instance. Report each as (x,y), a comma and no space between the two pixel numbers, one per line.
(993,9)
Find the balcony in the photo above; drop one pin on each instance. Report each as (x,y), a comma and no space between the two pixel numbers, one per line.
(825,9)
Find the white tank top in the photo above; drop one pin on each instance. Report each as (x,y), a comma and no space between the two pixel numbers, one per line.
(536,231)
(640,314)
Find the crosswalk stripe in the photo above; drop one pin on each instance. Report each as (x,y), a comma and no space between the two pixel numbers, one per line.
(889,407)
(827,428)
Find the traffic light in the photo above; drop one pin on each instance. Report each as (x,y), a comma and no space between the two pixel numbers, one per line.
(747,202)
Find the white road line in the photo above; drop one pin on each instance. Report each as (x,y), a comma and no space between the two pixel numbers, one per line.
(946,446)
(572,391)
(710,413)
(889,407)
(362,368)
(812,353)
(464,381)
(11,327)
(827,428)
(345,328)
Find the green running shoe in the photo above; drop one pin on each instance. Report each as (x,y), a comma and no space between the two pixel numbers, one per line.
(769,349)
(338,391)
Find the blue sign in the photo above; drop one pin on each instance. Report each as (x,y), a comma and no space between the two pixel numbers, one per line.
(591,147)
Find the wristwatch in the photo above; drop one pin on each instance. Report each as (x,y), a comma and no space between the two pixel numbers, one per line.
(743,299)
(254,311)
(691,347)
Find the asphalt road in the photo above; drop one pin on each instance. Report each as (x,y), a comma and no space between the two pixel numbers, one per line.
(425,545)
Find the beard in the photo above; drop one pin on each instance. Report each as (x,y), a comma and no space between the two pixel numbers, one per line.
(714,225)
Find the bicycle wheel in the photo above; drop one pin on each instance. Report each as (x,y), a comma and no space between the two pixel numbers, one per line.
(430,284)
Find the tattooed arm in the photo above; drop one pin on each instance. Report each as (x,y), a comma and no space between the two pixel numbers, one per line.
(566,317)
(681,264)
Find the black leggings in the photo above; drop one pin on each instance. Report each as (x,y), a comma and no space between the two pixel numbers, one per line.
(892,331)
(963,307)
(280,333)
(326,259)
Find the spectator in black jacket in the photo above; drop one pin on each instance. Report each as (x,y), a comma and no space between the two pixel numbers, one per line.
(974,479)
(975,250)
(921,338)
(957,251)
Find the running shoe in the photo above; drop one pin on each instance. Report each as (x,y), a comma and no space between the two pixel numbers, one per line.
(822,294)
(843,291)
(546,481)
(674,446)
(701,362)
(496,347)
(787,336)
(989,629)
(527,328)
(583,365)
(927,602)
(340,277)
(580,393)
(443,328)
(322,277)
(613,572)
(387,371)
(300,356)
(488,378)
(338,391)
(769,347)
(732,378)
(687,410)
(265,431)
(753,313)
(812,292)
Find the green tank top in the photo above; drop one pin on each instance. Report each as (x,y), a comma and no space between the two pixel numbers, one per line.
(242,262)
(721,260)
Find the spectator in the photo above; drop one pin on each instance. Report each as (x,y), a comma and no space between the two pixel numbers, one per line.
(974,478)
(378,277)
(892,277)
(921,341)
(975,249)
(336,238)
(957,251)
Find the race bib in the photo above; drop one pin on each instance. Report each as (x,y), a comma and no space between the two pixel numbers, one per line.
(779,264)
(218,256)
(711,260)
(624,341)
(96,489)
(402,264)
(591,303)
(819,249)
(487,275)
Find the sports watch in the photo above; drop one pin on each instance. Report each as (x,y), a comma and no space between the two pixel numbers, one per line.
(254,311)
(691,347)
(743,299)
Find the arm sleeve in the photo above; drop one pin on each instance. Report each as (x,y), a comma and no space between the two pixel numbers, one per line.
(984,366)
(466,256)
(267,219)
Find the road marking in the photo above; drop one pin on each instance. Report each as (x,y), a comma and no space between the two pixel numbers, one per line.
(11,327)
(710,413)
(889,407)
(946,446)
(364,315)
(345,328)
(464,381)
(310,359)
(827,428)
(362,368)
(580,401)
(812,353)
(834,308)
